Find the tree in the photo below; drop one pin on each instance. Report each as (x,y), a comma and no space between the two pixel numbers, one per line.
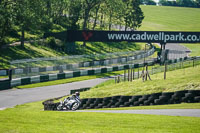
(114,9)
(185,3)
(28,16)
(74,11)
(133,16)
(197,2)
(6,19)
(88,6)
(148,2)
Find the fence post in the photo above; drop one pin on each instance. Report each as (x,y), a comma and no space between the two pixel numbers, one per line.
(124,74)
(165,72)
(193,61)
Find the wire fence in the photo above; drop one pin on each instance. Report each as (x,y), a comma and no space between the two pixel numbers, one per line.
(171,65)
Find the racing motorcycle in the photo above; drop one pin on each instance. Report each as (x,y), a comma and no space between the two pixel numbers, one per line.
(70,103)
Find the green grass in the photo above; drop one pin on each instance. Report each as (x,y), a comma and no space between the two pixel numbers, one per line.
(30,51)
(40,50)
(29,118)
(183,79)
(165,18)
(63,81)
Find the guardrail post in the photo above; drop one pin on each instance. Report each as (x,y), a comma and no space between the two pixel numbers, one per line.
(193,58)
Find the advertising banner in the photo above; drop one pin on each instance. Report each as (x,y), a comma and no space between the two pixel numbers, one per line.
(134,36)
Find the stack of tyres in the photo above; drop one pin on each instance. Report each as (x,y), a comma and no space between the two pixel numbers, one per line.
(164,98)
(83,102)
(92,103)
(123,100)
(106,101)
(177,97)
(142,100)
(192,96)
(134,100)
(113,101)
(97,102)
(189,98)
(89,103)
(151,99)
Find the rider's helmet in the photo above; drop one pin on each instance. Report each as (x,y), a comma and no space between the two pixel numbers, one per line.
(77,94)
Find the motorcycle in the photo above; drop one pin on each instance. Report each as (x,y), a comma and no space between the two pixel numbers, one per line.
(72,103)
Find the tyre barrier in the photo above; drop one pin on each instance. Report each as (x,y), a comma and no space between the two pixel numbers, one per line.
(186,96)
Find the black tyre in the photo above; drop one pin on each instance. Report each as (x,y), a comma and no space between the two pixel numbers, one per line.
(145,97)
(135,98)
(194,92)
(136,103)
(125,98)
(197,99)
(100,105)
(107,98)
(147,102)
(180,93)
(126,104)
(168,94)
(83,101)
(116,97)
(156,95)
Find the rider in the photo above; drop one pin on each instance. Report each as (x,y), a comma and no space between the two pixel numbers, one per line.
(77,94)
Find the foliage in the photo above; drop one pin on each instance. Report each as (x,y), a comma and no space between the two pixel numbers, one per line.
(133,15)
(54,43)
(6,16)
(148,2)
(181,3)
(40,15)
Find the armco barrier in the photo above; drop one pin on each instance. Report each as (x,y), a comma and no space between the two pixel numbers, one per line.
(93,71)
(186,96)
(71,74)
(5,84)
(72,67)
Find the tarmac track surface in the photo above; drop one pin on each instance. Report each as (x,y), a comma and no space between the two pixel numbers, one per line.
(11,98)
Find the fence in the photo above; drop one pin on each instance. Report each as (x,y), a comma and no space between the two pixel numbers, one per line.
(136,72)
(34,67)
(50,77)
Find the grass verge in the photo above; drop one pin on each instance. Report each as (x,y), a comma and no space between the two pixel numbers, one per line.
(30,118)
(182,79)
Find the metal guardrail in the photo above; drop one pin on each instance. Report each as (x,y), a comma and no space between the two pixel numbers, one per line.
(80,64)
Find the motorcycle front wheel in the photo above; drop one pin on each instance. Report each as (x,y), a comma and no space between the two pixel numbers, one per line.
(75,106)
(59,108)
